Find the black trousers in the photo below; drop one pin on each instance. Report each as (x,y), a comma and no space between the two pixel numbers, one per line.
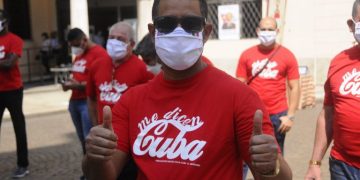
(12,100)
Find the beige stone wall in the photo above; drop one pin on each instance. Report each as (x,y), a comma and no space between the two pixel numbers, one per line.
(43,18)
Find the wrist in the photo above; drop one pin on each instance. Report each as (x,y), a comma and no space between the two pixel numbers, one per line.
(291,117)
(275,172)
(314,163)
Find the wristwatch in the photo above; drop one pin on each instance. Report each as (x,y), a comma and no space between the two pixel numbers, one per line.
(314,162)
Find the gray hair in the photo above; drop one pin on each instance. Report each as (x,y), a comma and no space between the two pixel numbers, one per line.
(126,25)
(355,8)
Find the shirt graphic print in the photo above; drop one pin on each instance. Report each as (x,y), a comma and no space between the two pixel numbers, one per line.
(177,149)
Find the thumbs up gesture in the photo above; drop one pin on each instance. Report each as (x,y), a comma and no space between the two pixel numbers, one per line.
(101,142)
(263,148)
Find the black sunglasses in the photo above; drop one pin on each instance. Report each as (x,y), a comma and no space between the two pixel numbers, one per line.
(191,24)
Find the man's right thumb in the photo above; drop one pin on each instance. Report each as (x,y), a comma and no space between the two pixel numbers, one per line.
(107,119)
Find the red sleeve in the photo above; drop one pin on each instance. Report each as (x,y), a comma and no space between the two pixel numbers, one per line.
(245,107)
(241,68)
(293,67)
(120,123)
(90,84)
(328,101)
(16,46)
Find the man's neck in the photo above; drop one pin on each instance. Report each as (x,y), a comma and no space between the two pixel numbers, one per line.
(3,32)
(268,48)
(118,62)
(171,74)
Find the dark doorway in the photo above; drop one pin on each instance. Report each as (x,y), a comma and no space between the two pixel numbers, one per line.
(102,18)
(19,14)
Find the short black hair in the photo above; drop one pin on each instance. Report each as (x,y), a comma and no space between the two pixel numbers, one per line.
(45,34)
(355,8)
(203,9)
(146,47)
(75,34)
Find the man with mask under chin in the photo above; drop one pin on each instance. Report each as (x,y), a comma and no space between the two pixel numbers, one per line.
(269,68)
(192,121)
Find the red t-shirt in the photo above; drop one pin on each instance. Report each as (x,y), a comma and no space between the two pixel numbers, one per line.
(207,61)
(10,79)
(198,128)
(107,83)
(342,91)
(81,67)
(270,84)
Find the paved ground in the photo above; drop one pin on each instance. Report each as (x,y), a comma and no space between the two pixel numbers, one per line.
(55,152)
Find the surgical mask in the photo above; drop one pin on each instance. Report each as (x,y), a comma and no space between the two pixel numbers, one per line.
(155,69)
(2,25)
(267,38)
(116,49)
(179,49)
(77,51)
(357,31)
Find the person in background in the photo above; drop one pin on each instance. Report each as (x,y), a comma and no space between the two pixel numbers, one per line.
(146,49)
(339,120)
(11,91)
(45,52)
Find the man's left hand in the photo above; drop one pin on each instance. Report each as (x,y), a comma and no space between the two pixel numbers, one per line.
(263,148)
(286,124)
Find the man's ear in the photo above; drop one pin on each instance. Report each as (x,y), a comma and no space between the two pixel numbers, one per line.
(351,25)
(207,31)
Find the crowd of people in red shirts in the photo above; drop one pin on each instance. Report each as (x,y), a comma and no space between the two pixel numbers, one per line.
(162,110)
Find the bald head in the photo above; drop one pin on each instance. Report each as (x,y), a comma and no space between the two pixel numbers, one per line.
(268,23)
(122,29)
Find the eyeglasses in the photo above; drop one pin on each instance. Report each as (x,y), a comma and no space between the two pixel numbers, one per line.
(191,24)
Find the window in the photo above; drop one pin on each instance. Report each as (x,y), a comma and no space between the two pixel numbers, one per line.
(18,11)
(250,15)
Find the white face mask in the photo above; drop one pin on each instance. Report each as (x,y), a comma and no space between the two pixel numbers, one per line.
(267,38)
(116,49)
(77,51)
(179,49)
(155,69)
(357,31)
(2,25)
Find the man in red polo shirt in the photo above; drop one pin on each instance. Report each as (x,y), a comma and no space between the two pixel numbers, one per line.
(339,120)
(110,78)
(11,91)
(192,121)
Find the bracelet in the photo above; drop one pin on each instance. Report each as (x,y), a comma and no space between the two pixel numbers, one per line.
(314,162)
(276,171)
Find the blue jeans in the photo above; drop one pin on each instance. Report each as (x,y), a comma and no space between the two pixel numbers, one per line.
(276,122)
(280,138)
(80,116)
(342,171)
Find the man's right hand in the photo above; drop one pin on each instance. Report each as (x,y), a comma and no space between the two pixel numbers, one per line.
(101,142)
(313,173)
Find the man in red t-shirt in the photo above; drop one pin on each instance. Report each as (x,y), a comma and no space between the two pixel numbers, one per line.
(110,77)
(86,52)
(192,121)
(270,69)
(339,120)
(11,91)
